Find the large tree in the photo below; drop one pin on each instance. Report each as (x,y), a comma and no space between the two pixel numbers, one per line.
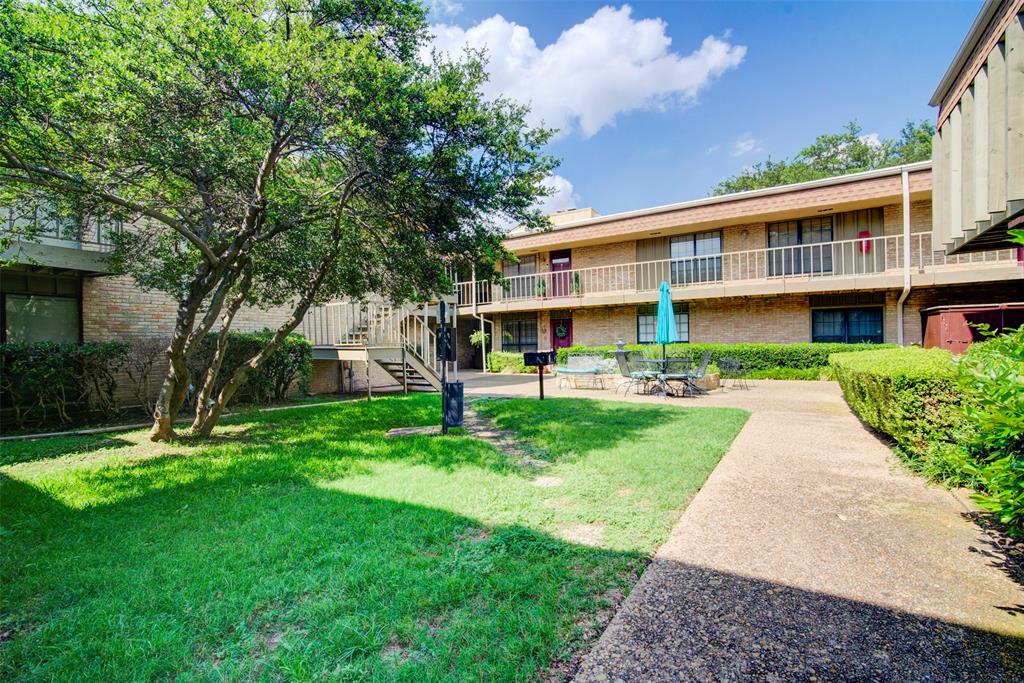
(832,154)
(263,152)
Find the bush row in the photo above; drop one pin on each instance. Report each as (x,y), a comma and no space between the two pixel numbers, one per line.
(501,361)
(45,382)
(755,357)
(49,383)
(291,363)
(957,420)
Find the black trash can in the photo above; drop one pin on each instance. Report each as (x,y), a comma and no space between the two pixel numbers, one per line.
(453,403)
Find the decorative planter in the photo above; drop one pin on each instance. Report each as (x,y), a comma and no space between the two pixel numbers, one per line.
(708,382)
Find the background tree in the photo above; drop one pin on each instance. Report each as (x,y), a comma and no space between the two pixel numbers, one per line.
(832,154)
(264,152)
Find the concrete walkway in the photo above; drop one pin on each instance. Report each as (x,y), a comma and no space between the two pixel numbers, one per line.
(810,554)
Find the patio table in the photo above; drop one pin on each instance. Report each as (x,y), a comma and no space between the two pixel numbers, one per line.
(665,377)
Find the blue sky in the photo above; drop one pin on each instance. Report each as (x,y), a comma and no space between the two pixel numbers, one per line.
(646,121)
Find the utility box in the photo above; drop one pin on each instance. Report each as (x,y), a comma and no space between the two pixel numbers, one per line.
(453,404)
(954,327)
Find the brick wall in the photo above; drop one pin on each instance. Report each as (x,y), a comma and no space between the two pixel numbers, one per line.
(776,319)
(617,253)
(115,308)
(604,325)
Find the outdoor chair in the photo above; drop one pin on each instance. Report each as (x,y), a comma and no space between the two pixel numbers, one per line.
(734,368)
(634,376)
(688,380)
(581,368)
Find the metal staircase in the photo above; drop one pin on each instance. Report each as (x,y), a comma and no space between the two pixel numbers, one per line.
(398,339)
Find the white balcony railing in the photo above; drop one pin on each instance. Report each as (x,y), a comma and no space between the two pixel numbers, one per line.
(373,324)
(848,258)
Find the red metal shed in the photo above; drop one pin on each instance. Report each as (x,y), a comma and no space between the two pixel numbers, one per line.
(950,327)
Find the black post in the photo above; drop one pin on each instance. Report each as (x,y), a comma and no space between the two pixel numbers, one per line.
(540,374)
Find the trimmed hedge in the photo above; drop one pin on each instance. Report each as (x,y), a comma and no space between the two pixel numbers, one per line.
(498,361)
(908,393)
(755,357)
(959,420)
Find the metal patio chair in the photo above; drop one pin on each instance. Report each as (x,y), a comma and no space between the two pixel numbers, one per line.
(734,367)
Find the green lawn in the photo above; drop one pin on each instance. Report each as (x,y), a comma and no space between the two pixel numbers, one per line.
(301,544)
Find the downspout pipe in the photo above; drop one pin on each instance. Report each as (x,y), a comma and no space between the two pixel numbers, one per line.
(905,178)
(476,314)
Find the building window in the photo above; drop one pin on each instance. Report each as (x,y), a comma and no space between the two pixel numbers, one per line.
(519,334)
(647,323)
(521,274)
(793,250)
(40,318)
(847,325)
(696,258)
(39,307)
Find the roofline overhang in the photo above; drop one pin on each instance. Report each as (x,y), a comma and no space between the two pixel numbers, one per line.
(963,53)
(738,196)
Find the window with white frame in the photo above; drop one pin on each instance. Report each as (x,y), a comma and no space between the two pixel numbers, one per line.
(647,323)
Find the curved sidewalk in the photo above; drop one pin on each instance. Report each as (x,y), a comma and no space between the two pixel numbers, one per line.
(810,554)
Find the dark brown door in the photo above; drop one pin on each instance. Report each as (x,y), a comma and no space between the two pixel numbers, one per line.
(561,333)
(561,263)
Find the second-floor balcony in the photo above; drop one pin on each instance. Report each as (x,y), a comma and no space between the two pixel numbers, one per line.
(45,239)
(869,263)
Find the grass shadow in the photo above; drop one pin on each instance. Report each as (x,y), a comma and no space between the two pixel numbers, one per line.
(286,581)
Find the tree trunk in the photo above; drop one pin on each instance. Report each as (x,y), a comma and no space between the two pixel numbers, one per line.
(242,373)
(213,372)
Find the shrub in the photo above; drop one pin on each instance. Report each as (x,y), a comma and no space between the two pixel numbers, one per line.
(910,394)
(292,362)
(145,355)
(498,361)
(40,381)
(821,373)
(991,376)
(755,357)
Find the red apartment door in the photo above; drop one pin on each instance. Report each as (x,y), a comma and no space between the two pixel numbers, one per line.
(561,333)
(561,263)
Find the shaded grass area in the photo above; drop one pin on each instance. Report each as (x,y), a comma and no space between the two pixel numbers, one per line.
(303,545)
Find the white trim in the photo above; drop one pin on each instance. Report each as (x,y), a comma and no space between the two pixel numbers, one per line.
(737,196)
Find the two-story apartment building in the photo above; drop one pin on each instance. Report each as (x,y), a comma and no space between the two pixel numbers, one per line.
(849,258)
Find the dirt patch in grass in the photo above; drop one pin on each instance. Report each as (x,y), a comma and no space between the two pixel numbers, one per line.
(585,534)
(547,482)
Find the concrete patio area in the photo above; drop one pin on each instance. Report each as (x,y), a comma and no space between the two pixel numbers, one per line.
(809,554)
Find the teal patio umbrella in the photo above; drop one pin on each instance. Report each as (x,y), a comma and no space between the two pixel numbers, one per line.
(665,332)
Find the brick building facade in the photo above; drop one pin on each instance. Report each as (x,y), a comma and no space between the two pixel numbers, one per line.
(741,269)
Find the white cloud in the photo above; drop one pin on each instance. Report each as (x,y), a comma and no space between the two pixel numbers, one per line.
(596,70)
(745,144)
(444,8)
(872,139)
(563,195)
(712,149)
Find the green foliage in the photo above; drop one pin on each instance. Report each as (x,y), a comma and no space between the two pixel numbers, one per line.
(991,376)
(909,394)
(277,551)
(959,421)
(816,373)
(756,358)
(43,382)
(834,154)
(291,362)
(498,361)
(479,338)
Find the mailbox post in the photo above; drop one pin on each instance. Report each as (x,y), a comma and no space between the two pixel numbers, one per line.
(451,392)
(538,359)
